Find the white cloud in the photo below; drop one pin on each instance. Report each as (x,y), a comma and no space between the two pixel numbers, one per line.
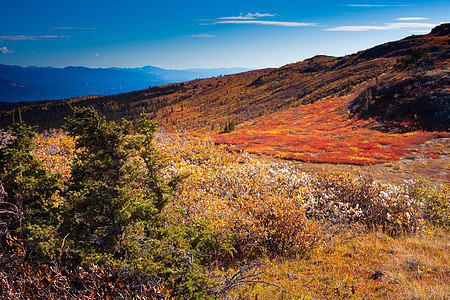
(375,5)
(101,55)
(241,17)
(411,19)
(388,26)
(248,16)
(258,15)
(270,23)
(5,50)
(31,38)
(202,35)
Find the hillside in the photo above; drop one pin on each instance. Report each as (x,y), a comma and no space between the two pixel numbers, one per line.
(363,108)
(251,229)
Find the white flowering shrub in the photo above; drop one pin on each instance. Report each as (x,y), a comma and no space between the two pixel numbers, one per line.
(342,197)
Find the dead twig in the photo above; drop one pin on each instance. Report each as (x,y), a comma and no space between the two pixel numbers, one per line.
(247,275)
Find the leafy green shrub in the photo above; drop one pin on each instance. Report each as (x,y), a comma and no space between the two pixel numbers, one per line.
(108,234)
(116,202)
(435,199)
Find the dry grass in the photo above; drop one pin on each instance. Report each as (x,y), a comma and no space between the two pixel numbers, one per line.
(357,265)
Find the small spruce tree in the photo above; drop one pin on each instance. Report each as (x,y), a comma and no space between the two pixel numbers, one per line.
(115,206)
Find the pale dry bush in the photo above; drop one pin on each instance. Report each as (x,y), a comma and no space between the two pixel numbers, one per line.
(343,197)
(5,137)
(269,207)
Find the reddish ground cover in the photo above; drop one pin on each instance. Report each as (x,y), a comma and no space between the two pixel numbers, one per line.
(325,132)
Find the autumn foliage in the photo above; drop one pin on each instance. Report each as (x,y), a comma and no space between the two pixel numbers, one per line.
(323,132)
(229,208)
(109,208)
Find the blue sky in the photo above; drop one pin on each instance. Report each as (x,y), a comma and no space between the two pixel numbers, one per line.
(203,34)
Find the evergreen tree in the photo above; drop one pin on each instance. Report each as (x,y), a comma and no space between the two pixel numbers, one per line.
(28,211)
(115,206)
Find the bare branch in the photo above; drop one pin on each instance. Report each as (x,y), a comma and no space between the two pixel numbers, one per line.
(247,275)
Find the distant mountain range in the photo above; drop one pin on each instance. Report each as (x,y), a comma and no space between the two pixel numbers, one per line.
(46,83)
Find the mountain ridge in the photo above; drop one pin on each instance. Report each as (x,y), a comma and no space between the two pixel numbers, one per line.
(48,83)
(255,93)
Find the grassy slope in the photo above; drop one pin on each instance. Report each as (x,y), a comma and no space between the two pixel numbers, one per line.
(326,131)
(359,266)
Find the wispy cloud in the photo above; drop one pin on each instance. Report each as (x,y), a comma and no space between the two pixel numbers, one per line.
(411,19)
(388,26)
(73,28)
(270,23)
(31,37)
(99,55)
(5,50)
(376,5)
(201,35)
(253,18)
(248,16)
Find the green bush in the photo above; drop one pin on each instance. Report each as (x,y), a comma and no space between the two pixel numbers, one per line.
(436,201)
(27,203)
(115,207)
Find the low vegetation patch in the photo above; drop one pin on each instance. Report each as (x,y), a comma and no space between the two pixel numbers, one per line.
(323,133)
(114,210)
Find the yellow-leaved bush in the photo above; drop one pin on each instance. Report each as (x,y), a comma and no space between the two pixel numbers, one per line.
(259,205)
(55,148)
(277,208)
(273,208)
